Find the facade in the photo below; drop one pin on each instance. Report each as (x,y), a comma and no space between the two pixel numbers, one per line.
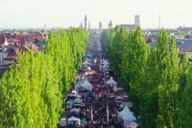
(132,26)
(137,20)
(185,29)
(12,43)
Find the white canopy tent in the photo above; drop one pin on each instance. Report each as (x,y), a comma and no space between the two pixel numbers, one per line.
(104,62)
(127,116)
(74,119)
(75,110)
(105,67)
(132,125)
(78,102)
(111,82)
(84,86)
(119,98)
(62,122)
(86,62)
(69,104)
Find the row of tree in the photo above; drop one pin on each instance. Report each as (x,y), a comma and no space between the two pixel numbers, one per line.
(157,80)
(32,92)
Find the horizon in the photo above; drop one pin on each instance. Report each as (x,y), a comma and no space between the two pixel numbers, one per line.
(23,14)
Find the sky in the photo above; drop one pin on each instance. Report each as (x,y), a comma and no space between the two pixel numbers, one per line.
(66,13)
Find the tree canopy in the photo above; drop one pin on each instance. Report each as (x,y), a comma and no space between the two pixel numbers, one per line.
(157,80)
(32,92)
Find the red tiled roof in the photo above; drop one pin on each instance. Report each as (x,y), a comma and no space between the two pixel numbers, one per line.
(2,39)
(25,48)
(20,38)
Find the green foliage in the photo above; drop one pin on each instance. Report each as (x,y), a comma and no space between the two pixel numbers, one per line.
(32,92)
(155,79)
(185,111)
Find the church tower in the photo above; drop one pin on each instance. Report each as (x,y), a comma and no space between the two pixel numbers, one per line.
(85,22)
(110,25)
(137,20)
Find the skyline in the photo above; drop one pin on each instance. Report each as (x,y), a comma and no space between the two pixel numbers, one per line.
(63,13)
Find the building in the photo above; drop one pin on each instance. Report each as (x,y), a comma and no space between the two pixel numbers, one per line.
(132,26)
(85,22)
(100,27)
(13,43)
(110,25)
(89,26)
(137,20)
(185,29)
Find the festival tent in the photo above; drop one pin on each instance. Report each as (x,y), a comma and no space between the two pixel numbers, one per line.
(74,119)
(74,112)
(89,68)
(74,92)
(69,104)
(71,96)
(85,62)
(115,88)
(119,99)
(104,68)
(111,82)
(77,102)
(83,122)
(127,116)
(62,122)
(104,62)
(95,60)
(85,86)
(132,125)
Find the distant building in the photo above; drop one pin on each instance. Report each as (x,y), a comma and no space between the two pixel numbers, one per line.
(100,27)
(132,26)
(85,22)
(128,26)
(137,20)
(81,25)
(110,25)
(185,29)
(89,26)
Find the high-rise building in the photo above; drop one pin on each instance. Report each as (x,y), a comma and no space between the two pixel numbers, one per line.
(85,22)
(137,20)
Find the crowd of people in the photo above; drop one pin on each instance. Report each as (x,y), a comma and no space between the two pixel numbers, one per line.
(98,107)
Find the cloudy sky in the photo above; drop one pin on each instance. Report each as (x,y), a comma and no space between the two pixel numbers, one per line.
(65,13)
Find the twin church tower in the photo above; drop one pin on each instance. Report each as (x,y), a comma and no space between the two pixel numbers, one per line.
(87,25)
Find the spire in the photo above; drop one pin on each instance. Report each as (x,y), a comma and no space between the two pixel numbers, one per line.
(6,42)
(110,25)
(85,22)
